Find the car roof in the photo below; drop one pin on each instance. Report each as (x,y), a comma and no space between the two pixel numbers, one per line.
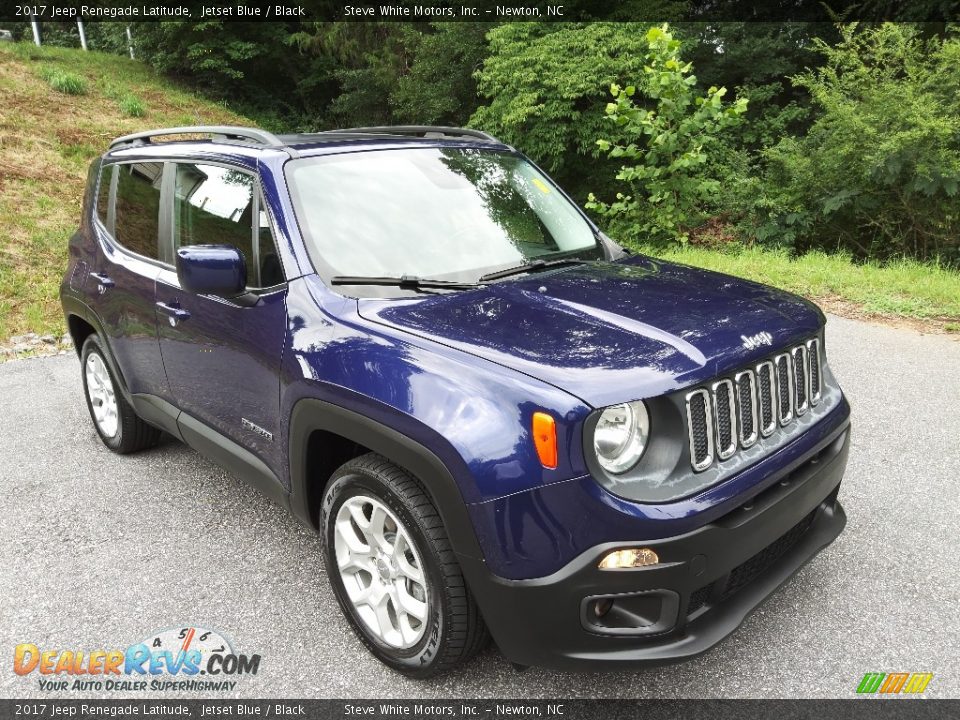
(236,137)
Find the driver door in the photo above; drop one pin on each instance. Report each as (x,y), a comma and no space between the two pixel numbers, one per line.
(222,358)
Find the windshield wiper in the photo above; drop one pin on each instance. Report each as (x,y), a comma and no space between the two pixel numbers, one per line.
(409,282)
(530,267)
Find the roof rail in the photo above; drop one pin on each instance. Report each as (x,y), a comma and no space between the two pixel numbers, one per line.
(219,132)
(423,130)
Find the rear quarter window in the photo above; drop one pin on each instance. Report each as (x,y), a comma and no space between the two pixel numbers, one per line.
(103,194)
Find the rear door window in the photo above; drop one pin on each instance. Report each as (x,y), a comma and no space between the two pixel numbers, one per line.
(137,207)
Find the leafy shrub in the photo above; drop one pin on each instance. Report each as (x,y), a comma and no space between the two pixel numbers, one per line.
(545,84)
(132,106)
(65,82)
(440,87)
(878,173)
(670,186)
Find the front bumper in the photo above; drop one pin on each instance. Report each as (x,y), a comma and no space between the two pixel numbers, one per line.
(706,583)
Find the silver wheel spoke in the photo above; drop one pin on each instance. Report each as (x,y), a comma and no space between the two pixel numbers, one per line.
(369,595)
(384,619)
(356,512)
(408,629)
(354,545)
(409,605)
(405,566)
(378,529)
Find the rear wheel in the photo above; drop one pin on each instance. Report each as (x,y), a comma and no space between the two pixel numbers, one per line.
(115,421)
(394,572)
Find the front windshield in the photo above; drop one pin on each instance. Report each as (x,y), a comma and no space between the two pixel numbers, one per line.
(432,213)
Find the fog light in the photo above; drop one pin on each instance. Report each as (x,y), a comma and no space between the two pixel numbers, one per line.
(602,607)
(629,558)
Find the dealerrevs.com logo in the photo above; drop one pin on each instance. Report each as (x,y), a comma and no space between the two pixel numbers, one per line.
(177,659)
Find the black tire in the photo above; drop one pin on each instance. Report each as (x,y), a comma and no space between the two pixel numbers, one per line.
(455,630)
(132,433)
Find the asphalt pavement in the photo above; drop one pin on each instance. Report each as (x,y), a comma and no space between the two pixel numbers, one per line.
(100,551)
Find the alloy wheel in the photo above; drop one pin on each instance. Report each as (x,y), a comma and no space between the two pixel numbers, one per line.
(102,395)
(381,571)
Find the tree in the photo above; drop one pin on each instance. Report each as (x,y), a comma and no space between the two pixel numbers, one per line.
(879,171)
(543,85)
(440,87)
(758,58)
(251,64)
(669,186)
(366,61)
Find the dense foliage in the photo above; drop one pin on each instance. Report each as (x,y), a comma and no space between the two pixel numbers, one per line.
(878,172)
(841,136)
(544,87)
(669,182)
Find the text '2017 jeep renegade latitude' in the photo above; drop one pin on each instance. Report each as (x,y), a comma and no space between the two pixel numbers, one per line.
(499,422)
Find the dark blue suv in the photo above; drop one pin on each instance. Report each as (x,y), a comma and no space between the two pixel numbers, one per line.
(498,420)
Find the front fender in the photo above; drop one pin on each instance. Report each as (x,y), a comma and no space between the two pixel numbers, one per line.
(470,412)
(311,414)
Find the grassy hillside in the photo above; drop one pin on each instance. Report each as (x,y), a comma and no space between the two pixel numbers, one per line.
(59,110)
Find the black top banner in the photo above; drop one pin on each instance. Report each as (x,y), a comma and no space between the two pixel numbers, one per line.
(132,11)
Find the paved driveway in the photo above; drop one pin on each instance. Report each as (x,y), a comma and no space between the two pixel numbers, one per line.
(97,551)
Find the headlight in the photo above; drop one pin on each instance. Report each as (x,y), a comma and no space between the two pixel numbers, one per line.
(621,435)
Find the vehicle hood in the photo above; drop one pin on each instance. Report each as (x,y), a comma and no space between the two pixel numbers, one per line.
(609,332)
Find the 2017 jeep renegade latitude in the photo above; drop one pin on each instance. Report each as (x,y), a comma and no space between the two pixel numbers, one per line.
(499,422)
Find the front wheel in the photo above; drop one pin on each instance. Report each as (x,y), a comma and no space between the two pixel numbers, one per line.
(394,572)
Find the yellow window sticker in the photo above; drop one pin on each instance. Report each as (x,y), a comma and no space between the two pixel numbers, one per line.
(544,188)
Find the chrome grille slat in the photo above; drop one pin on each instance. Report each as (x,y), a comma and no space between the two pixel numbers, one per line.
(813,354)
(767,393)
(781,363)
(700,429)
(735,413)
(801,381)
(725,414)
(746,383)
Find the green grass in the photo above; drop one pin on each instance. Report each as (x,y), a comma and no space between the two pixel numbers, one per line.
(49,139)
(65,82)
(900,289)
(132,106)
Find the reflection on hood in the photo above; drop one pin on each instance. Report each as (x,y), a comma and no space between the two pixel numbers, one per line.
(610,332)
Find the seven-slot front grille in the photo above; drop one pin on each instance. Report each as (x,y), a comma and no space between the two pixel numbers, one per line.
(735,413)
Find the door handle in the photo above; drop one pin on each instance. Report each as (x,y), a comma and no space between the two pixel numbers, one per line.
(174,311)
(103,282)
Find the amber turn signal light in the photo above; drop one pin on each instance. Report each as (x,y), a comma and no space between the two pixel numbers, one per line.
(545,439)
